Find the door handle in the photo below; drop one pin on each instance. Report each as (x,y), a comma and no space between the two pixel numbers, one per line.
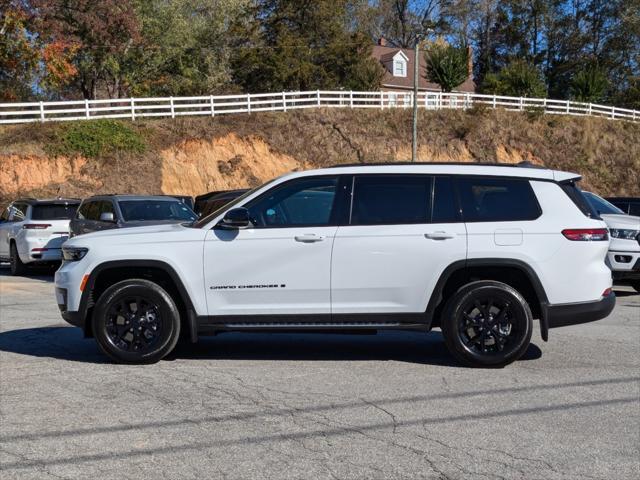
(309,238)
(439,235)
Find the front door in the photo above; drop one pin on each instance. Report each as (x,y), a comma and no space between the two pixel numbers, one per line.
(404,230)
(282,264)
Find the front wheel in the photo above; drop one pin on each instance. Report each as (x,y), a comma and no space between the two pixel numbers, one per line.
(136,321)
(487,324)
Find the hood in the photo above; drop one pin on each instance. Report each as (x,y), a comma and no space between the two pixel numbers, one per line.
(621,221)
(171,228)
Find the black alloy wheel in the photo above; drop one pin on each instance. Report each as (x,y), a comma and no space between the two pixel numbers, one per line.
(134,324)
(487,323)
(136,321)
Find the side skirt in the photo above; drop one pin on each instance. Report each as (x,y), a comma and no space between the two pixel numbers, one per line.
(320,323)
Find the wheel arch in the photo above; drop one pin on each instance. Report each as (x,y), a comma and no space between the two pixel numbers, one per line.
(108,273)
(511,271)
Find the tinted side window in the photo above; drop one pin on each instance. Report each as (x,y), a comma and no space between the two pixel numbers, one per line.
(303,202)
(391,200)
(497,199)
(444,208)
(634,209)
(89,211)
(105,207)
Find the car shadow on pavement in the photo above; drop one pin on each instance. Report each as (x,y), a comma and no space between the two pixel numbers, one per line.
(68,343)
(60,342)
(44,274)
(419,348)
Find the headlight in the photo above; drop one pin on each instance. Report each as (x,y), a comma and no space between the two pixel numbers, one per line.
(624,234)
(73,254)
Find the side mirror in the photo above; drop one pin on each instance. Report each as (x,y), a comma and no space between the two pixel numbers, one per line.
(107,217)
(236,218)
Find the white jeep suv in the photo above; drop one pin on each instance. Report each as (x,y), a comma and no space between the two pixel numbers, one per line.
(479,251)
(33,231)
(624,249)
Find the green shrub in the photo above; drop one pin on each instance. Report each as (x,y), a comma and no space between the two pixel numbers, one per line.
(518,79)
(95,138)
(589,85)
(447,66)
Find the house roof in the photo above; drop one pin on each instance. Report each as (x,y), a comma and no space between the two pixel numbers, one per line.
(385,55)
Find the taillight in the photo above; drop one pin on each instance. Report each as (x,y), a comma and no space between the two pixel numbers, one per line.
(607,292)
(36,226)
(586,234)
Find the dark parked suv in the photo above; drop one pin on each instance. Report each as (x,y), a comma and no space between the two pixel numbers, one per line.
(103,212)
(629,205)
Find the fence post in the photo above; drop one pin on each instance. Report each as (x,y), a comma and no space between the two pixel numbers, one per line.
(381,100)
(613,112)
(544,105)
(466,101)
(213,109)
(42,111)
(589,109)
(568,106)
(318,96)
(133,110)
(494,101)
(521,104)
(86,107)
(350,98)
(248,103)
(284,101)
(173,111)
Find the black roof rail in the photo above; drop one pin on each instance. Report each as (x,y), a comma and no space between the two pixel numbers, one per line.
(524,164)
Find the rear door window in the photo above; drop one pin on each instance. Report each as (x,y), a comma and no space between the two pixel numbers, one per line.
(444,207)
(391,200)
(497,199)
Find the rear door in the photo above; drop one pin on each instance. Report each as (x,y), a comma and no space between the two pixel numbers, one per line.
(403,231)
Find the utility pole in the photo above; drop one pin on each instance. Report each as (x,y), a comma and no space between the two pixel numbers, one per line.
(416,74)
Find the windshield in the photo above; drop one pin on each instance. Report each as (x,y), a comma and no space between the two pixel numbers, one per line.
(145,210)
(601,205)
(53,211)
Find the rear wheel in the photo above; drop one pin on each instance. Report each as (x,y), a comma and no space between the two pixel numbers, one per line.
(17,267)
(136,321)
(487,324)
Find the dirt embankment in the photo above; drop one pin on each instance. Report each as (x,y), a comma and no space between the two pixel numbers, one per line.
(196,155)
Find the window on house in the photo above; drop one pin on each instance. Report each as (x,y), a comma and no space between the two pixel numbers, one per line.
(399,68)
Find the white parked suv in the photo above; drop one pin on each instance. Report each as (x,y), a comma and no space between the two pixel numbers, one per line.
(624,250)
(33,231)
(479,251)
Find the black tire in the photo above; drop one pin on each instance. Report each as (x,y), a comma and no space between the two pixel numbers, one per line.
(464,329)
(17,267)
(636,285)
(140,335)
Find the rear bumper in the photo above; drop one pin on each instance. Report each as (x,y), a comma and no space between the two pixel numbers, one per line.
(575,313)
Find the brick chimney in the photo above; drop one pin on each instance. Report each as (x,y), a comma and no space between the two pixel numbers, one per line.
(382,42)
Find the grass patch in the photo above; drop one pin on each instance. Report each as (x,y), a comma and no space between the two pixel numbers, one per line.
(95,139)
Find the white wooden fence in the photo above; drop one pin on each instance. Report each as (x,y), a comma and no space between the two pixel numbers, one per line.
(135,108)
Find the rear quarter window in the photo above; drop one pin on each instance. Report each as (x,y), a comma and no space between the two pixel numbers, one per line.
(497,199)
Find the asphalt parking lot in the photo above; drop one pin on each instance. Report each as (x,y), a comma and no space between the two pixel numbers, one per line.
(300,406)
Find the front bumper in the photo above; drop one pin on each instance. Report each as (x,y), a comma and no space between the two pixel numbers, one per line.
(574,313)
